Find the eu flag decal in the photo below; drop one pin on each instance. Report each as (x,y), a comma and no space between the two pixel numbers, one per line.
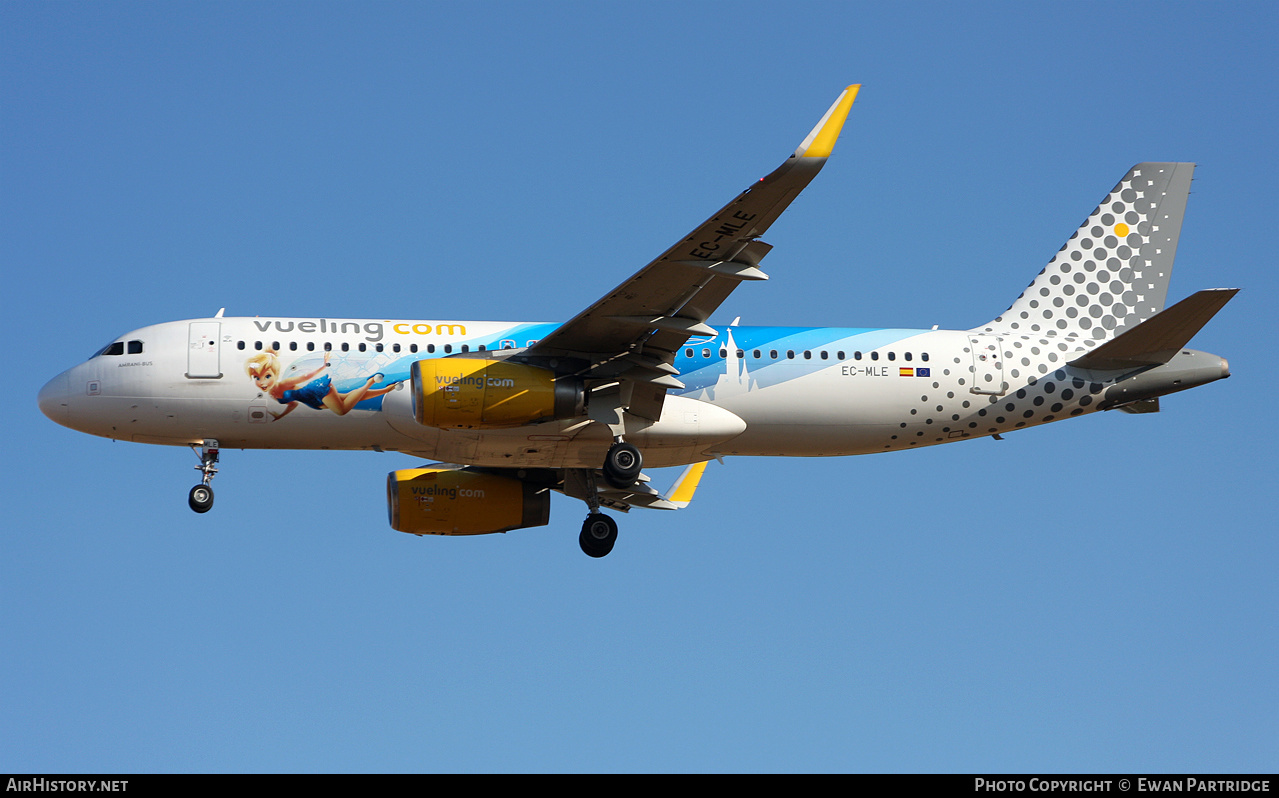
(922,373)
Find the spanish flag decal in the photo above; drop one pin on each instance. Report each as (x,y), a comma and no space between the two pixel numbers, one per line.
(905,372)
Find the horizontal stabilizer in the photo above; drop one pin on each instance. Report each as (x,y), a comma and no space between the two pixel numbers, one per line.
(1156,340)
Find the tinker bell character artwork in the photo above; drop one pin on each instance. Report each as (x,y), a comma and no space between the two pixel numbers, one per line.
(315,388)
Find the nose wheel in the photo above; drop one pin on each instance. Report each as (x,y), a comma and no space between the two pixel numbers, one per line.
(200,498)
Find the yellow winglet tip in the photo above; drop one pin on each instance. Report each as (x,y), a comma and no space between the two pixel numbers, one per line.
(820,142)
(682,492)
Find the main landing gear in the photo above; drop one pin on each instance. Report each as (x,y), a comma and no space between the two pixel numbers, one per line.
(622,466)
(201,496)
(599,533)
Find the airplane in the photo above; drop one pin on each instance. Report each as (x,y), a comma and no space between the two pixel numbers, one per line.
(510,411)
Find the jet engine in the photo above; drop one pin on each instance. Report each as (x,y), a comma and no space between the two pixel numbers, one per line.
(443,500)
(466,393)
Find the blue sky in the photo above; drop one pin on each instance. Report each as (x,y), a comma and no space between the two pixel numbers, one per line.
(1090,596)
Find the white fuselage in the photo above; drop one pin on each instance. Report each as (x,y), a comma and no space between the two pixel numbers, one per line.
(748,391)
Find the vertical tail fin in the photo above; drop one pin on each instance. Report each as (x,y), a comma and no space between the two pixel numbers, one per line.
(1113,273)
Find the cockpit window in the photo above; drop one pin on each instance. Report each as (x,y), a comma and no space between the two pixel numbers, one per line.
(114,348)
(117,348)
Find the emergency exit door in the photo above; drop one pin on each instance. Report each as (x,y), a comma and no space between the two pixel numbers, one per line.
(203,356)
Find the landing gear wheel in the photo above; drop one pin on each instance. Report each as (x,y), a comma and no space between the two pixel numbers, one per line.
(201,498)
(599,533)
(622,465)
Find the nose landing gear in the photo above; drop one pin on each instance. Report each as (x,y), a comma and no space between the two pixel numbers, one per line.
(200,498)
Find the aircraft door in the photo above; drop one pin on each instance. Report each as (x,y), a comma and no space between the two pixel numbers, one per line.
(203,356)
(988,365)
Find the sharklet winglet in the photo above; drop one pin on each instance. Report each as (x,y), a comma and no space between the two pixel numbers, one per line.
(821,139)
(681,493)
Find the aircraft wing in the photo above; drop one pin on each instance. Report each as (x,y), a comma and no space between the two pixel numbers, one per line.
(641,494)
(632,334)
(572,482)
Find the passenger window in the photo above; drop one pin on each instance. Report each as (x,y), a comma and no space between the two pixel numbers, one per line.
(364,347)
(293,346)
(378,347)
(239,345)
(808,355)
(413,348)
(328,346)
(724,352)
(824,357)
(790,353)
(840,354)
(892,355)
(688,352)
(466,348)
(772,353)
(706,353)
(430,348)
(874,356)
(448,348)
(756,353)
(346,347)
(924,357)
(907,355)
(257,345)
(394,347)
(310,346)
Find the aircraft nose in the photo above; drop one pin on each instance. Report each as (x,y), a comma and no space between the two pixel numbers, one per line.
(54,399)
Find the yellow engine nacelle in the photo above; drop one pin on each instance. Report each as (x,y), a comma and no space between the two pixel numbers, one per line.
(466,393)
(454,501)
